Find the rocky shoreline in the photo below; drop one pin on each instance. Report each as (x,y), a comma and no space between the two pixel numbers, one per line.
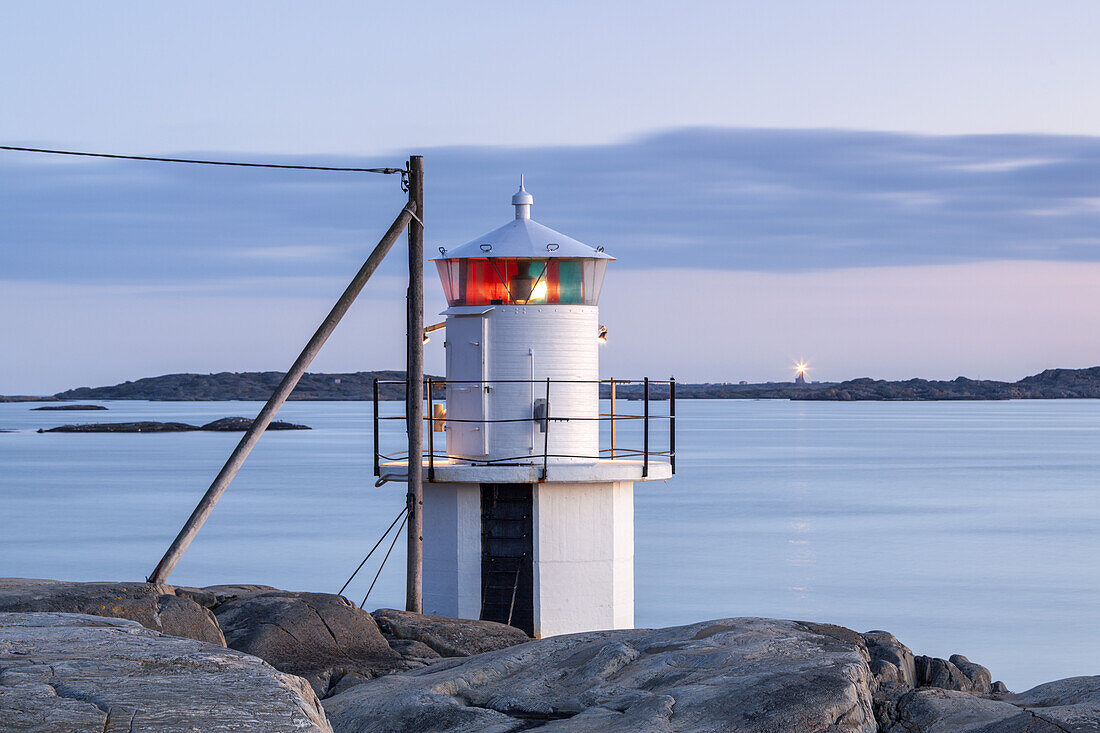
(221,425)
(138,656)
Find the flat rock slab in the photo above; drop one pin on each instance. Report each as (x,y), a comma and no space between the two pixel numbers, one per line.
(744,674)
(155,607)
(1073,704)
(69,407)
(1066,706)
(448,637)
(318,636)
(937,710)
(226,593)
(68,673)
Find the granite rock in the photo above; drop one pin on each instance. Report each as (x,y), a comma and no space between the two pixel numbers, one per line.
(66,673)
(318,636)
(891,661)
(1073,704)
(942,673)
(155,607)
(410,649)
(201,596)
(1066,706)
(745,674)
(448,637)
(226,593)
(980,679)
(937,710)
(894,673)
(181,616)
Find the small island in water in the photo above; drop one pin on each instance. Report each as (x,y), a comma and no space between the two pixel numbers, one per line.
(222,425)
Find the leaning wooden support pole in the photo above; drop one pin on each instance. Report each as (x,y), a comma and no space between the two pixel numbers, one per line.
(290,380)
(414,391)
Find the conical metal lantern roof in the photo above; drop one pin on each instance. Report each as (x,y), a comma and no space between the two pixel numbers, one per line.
(524,237)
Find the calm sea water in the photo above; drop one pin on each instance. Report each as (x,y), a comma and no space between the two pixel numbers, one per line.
(967,527)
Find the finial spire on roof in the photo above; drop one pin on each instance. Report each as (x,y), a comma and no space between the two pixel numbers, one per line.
(522,201)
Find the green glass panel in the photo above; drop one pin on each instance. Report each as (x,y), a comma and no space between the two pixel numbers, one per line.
(570,282)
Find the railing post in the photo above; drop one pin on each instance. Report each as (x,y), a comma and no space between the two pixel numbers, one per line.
(431,433)
(377,468)
(546,432)
(645,432)
(612,418)
(672,423)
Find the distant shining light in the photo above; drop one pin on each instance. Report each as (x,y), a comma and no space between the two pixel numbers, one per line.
(801,368)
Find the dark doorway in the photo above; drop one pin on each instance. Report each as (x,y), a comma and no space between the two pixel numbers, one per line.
(507,582)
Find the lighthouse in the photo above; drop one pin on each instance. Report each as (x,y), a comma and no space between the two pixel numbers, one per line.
(528,517)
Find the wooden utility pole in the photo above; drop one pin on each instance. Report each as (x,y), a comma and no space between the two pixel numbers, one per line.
(414,390)
(290,380)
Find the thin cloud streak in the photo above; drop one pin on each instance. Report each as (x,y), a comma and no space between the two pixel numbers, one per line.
(733,199)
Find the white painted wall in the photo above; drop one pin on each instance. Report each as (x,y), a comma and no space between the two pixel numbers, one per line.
(452,550)
(584,557)
(524,343)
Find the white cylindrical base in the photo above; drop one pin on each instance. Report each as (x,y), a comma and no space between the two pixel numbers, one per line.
(452,550)
(584,557)
(582,554)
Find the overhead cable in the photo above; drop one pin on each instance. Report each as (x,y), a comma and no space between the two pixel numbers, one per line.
(386,171)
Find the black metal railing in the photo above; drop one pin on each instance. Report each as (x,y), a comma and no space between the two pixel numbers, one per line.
(643,390)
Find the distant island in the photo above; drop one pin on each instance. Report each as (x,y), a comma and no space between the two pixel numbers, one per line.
(223,425)
(250,386)
(1049,384)
(258,386)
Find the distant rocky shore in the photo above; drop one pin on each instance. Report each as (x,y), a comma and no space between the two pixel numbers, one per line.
(251,386)
(223,425)
(1047,385)
(258,386)
(138,656)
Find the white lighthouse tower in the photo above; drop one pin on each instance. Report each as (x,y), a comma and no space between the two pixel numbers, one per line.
(526,519)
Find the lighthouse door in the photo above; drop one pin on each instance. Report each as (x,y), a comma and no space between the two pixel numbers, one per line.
(507,548)
(466,394)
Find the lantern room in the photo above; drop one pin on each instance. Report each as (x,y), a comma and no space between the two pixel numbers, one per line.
(522,263)
(522,280)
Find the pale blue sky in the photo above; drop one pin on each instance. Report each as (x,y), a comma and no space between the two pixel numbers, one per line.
(873,186)
(367,78)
